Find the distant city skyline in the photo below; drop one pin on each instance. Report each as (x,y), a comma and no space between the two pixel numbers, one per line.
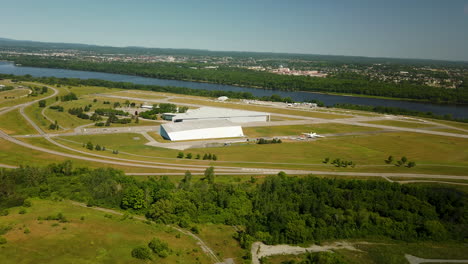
(428,29)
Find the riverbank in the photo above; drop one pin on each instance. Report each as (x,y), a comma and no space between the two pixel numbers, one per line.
(457,111)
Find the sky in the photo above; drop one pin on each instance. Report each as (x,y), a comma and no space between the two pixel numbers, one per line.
(430,29)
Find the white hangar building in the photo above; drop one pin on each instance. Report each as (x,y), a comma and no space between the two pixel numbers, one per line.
(216,113)
(204,129)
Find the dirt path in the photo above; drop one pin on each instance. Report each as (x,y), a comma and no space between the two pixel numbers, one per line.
(260,250)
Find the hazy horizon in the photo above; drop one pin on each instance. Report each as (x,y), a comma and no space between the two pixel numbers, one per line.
(415,30)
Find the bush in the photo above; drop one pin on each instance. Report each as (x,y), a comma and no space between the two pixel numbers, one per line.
(159,247)
(27,231)
(4,212)
(22,211)
(141,252)
(27,203)
(2,240)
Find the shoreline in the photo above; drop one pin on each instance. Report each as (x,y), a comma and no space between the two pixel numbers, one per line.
(256,87)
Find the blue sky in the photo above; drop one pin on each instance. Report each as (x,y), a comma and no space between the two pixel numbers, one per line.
(378,28)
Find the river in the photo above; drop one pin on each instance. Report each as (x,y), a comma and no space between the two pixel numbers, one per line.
(455,110)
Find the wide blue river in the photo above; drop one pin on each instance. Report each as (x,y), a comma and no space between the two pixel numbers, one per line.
(456,110)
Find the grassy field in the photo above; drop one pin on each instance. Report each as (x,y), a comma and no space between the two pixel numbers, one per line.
(299,129)
(12,93)
(388,252)
(138,94)
(13,123)
(363,150)
(13,154)
(95,239)
(285,111)
(450,123)
(450,130)
(220,238)
(400,124)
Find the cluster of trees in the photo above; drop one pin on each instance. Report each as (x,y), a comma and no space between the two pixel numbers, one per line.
(267,141)
(97,147)
(54,126)
(206,156)
(339,83)
(402,162)
(42,103)
(161,109)
(69,97)
(281,209)
(398,111)
(79,112)
(339,162)
(156,246)
(6,88)
(56,107)
(109,111)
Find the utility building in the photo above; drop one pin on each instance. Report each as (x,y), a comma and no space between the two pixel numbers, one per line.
(204,129)
(216,113)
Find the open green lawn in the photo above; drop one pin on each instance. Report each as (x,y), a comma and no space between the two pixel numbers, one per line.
(13,123)
(95,239)
(387,252)
(286,111)
(400,123)
(297,130)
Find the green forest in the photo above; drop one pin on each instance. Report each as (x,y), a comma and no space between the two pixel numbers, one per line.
(339,83)
(279,209)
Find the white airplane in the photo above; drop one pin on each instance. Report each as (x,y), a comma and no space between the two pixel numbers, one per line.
(312,135)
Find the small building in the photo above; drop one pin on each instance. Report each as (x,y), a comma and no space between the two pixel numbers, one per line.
(146,106)
(218,113)
(223,98)
(206,129)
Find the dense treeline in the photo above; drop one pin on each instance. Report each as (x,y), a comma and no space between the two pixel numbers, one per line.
(398,111)
(341,83)
(282,209)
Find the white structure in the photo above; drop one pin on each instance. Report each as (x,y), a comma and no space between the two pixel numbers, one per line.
(223,98)
(146,106)
(215,113)
(200,130)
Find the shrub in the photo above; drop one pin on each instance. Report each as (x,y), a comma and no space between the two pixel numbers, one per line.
(27,203)
(27,231)
(4,212)
(141,252)
(2,240)
(22,211)
(159,247)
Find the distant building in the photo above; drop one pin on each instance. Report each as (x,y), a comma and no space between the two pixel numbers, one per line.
(146,106)
(217,113)
(200,130)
